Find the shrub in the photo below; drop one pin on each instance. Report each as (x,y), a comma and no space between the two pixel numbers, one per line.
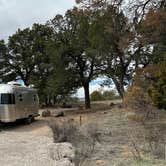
(84,141)
(149,87)
(157,91)
(106,95)
(152,82)
(109,95)
(137,99)
(96,96)
(155,136)
(64,132)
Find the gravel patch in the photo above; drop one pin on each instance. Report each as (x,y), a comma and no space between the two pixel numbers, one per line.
(26,145)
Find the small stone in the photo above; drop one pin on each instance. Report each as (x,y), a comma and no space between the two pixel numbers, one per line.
(99,162)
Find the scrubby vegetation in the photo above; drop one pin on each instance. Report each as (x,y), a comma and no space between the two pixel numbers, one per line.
(106,95)
(83,138)
(148,88)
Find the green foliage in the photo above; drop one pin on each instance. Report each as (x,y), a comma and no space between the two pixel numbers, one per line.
(21,55)
(109,95)
(111,37)
(153,33)
(31,60)
(96,96)
(157,91)
(106,95)
(72,46)
(28,53)
(149,87)
(5,71)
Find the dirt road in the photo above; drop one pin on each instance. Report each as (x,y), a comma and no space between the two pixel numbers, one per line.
(24,145)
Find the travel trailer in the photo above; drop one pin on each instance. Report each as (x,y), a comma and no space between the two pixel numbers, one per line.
(18,102)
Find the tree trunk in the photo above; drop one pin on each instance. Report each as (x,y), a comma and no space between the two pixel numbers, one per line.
(46,100)
(50,100)
(87,97)
(55,100)
(119,87)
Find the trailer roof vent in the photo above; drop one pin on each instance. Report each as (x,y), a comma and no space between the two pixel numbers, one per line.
(14,83)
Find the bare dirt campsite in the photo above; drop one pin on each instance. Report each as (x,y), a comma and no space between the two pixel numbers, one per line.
(119,138)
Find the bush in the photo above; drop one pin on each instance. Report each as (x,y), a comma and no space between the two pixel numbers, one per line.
(83,138)
(149,87)
(106,95)
(152,82)
(96,96)
(137,99)
(64,132)
(157,91)
(109,95)
(155,136)
(150,142)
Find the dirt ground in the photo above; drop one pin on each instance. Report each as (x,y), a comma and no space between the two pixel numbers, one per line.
(28,145)
(25,145)
(115,147)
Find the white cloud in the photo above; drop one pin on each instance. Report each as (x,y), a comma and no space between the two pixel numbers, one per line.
(16,14)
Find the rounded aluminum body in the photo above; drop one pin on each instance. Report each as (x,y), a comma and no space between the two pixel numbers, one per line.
(17,102)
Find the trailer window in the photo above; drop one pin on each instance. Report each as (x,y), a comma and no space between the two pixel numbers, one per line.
(20,97)
(7,98)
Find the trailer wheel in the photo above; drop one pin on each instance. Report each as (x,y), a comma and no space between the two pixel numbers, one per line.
(29,120)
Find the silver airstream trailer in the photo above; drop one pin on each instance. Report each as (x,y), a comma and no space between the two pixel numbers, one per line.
(18,102)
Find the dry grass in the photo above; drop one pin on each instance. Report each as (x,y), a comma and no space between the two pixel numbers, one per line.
(83,138)
(113,130)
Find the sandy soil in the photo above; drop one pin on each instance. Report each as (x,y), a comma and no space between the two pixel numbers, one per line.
(25,145)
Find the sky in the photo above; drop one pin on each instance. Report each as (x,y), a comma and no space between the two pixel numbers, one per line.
(16,14)
(95,85)
(21,14)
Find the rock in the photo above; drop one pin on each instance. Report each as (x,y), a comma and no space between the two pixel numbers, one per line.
(99,162)
(61,151)
(46,113)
